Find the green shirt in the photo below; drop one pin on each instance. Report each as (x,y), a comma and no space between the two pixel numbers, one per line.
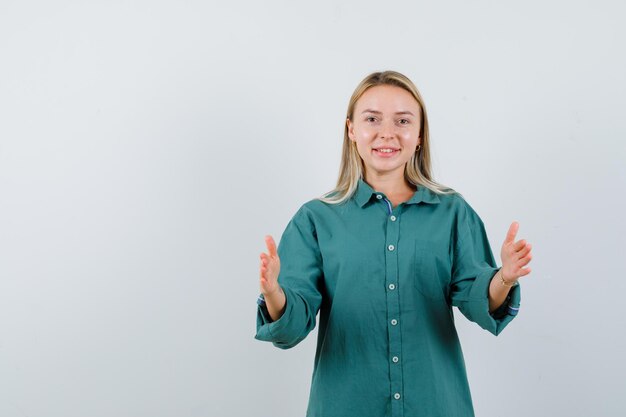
(384,280)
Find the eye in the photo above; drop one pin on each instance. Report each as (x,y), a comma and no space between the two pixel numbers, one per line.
(404,121)
(370,119)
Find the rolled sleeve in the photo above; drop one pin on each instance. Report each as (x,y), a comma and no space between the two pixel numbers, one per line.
(473,268)
(300,278)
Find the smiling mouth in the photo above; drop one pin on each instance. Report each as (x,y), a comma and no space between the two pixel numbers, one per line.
(386,152)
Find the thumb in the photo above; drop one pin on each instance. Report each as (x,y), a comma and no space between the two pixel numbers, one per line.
(271,246)
(510,236)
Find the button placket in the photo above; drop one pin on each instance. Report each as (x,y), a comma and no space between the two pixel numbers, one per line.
(393,305)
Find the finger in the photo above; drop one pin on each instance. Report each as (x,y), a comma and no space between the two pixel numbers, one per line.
(519,245)
(264,278)
(524,251)
(524,271)
(524,261)
(510,236)
(271,245)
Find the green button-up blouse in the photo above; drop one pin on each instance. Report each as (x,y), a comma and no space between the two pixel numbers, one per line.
(384,280)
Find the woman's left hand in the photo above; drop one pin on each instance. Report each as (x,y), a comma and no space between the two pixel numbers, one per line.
(514,255)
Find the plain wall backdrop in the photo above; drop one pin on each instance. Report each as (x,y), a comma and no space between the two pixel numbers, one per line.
(146,147)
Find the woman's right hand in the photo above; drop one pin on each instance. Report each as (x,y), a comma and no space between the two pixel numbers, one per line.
(270,267)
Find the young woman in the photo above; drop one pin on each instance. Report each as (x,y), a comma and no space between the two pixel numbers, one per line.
(383,257)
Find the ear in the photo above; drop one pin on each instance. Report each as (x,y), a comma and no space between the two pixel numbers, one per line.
(350,129)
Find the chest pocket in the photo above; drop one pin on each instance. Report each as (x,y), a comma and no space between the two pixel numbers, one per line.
(431,272)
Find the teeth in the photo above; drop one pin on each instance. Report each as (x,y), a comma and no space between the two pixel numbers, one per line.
(385,150)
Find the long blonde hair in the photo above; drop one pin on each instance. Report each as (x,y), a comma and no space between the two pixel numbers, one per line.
(417,170)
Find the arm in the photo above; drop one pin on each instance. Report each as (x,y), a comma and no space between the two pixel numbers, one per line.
(497,292)
(276,303)
(475,276)
(290,284)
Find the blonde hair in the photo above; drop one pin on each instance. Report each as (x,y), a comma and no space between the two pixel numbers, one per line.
(417,170)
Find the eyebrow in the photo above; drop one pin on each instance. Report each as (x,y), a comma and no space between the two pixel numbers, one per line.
(377,112)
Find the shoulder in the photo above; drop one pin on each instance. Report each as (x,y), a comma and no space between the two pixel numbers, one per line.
(316,212)
(459,207)
(308,211)
(317,207)
(452,201)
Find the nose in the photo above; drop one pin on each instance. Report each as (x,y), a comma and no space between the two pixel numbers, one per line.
(387,129)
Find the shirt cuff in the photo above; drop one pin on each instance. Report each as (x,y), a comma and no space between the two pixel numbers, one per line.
(506,308)
(478,304)
(282,332)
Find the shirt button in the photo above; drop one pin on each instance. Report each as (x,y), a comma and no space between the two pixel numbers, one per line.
(391,247)
(378,196)
(393,218)
(396,395)
(395,359)
(392,287)
(394,322)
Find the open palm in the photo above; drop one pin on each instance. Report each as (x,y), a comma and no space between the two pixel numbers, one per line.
(270,268)
(515,255)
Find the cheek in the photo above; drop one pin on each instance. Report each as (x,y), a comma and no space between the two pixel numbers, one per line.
(409,138)
(364,135)
(363,149)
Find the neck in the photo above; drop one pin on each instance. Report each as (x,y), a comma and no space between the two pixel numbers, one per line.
(390,185)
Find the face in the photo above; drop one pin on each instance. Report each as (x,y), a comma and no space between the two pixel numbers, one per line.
(385,128)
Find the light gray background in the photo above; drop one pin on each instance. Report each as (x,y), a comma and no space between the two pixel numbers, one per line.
(146,148)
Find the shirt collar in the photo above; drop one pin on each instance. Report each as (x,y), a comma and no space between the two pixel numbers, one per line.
(364,193)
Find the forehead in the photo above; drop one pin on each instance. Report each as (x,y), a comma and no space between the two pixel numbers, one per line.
(387,98)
